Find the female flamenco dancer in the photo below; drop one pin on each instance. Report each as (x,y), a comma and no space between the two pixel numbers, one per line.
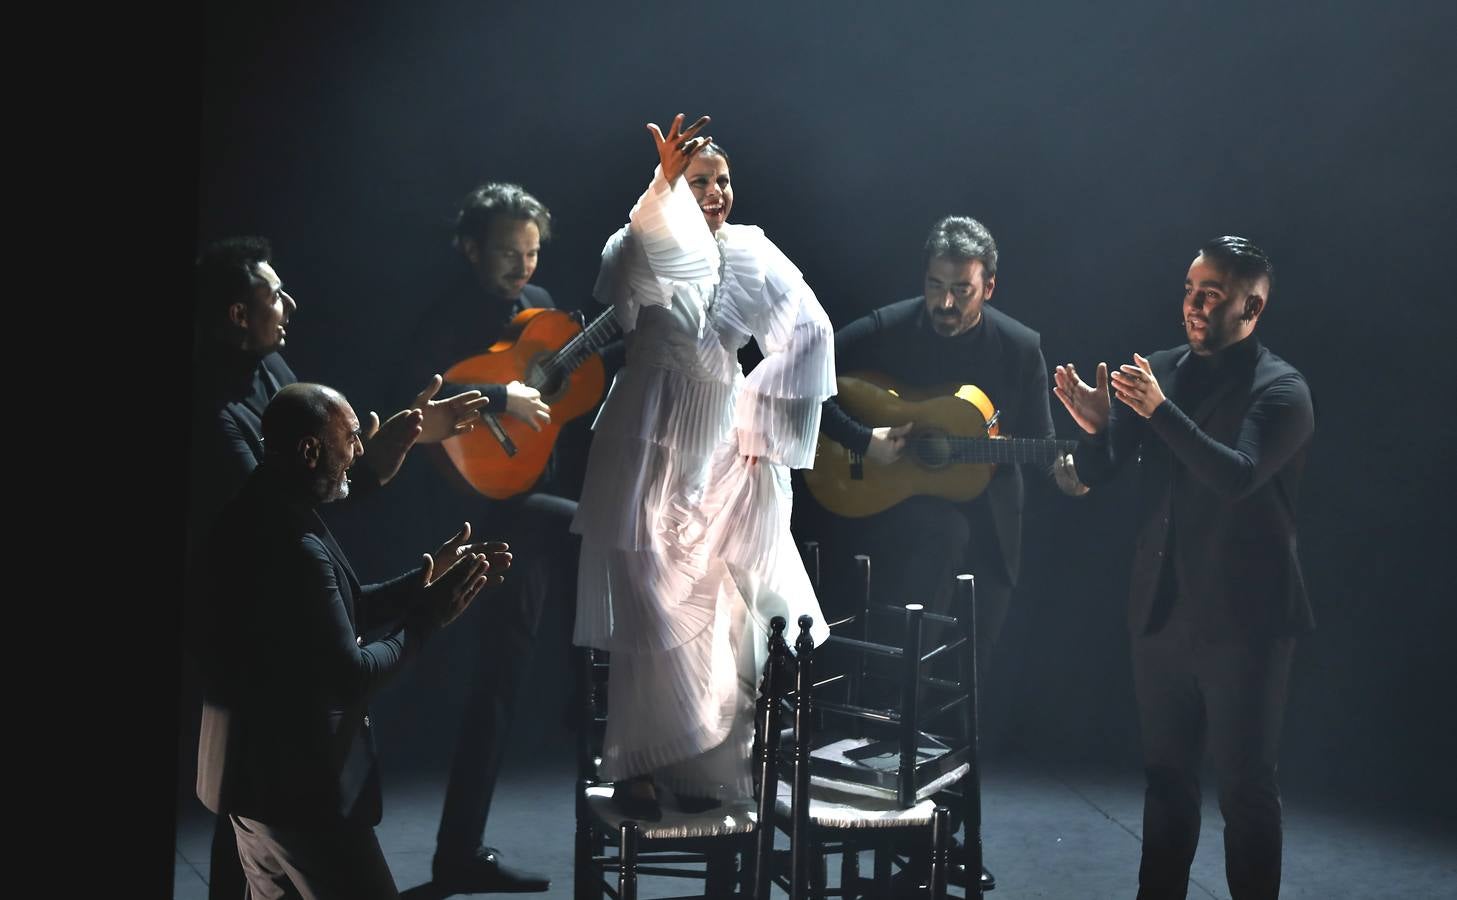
(684,516)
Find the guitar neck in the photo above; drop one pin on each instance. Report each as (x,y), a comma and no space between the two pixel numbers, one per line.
(993,450)
(592,339)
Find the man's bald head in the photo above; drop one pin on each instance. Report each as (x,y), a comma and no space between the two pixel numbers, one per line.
(311,437)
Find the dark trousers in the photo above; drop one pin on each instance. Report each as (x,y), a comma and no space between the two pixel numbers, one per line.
(916,550)
(333,862)
(225,879)
(1230,696)
(544,557)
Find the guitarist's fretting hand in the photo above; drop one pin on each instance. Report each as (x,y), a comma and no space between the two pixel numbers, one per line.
(886,443)
(1089,406)
(525,404)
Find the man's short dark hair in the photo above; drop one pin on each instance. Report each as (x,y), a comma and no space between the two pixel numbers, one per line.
(227,273)
(297,411)
(1239,259)
(498,198)
(963,238)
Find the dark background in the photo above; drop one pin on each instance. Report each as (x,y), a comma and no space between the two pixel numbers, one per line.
(1101,144)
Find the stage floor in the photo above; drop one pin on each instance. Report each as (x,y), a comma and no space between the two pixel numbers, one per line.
(1050,831)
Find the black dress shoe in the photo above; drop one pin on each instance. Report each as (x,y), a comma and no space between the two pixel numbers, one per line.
(691,804)
(643,809)
(484,873)
(637,798)
(957,876)
(956,873)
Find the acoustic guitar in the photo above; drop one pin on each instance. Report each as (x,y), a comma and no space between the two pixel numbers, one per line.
(547,349)
(951,451)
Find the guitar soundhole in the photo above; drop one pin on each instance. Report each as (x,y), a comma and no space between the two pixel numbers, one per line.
(551,386)
(932,449)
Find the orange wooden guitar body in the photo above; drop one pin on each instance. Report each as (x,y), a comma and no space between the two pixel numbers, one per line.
(503,456)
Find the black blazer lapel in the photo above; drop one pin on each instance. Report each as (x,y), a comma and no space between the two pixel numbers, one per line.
(250,417)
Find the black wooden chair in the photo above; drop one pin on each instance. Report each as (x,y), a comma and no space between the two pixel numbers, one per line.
(724,847)
(877,771)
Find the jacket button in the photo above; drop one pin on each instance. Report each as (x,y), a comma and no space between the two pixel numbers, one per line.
(366,721)
(359,640)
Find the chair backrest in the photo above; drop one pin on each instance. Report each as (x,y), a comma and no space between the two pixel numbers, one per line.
(907,758)
(803,846)
(772,688)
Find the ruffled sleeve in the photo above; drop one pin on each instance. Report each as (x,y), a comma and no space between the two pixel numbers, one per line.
(665,249)
(778,411)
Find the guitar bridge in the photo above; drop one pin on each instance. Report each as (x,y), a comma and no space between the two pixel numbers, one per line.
(497,429)
(857,466)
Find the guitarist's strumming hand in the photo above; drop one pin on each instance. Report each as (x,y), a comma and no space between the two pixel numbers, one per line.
(525,404)
(1089,406)
(886,443)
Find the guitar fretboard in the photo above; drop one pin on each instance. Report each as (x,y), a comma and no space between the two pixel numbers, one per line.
(574,352)
(940,449)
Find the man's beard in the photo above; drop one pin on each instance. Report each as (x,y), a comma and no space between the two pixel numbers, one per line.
(945,325)
(331,488)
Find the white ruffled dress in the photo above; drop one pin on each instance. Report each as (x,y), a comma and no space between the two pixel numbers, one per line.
(686,548)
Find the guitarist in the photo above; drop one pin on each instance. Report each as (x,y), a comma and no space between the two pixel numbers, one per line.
(947,336)
(499,232)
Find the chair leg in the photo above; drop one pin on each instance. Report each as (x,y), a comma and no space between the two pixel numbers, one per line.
(940,846)
(883,856)
(820,874)
(849,871)
(722,872)
(627,862)
(586,876)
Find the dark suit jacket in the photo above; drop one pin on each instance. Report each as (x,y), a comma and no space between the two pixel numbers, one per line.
(1218,486)
(1005,361)
(230,391)
(285,732)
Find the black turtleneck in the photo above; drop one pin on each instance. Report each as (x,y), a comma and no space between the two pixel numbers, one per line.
(1229,470)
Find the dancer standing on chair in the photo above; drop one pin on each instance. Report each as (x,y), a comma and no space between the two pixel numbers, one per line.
(684,516)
